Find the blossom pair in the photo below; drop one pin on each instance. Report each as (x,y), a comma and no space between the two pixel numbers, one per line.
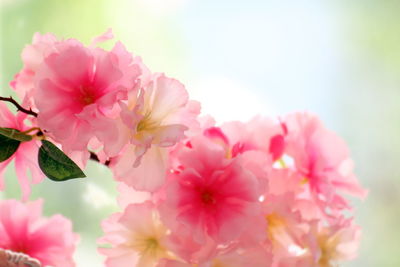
(89,100)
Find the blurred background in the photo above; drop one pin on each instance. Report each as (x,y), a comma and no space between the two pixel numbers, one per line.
(339,59)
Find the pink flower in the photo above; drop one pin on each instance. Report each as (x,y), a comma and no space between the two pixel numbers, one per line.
(49,240)
(76,87)
(236,139)
(25,157)
(326,246)
(322,159)
(32,57)
(137,237)
(260,133)
(212,195)
(285,225)
(154,120)
(338,243)
(159,114)
(148,176)
(181,242)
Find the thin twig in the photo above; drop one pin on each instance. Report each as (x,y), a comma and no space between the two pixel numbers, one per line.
(31,130)
(18,106)
(94,157)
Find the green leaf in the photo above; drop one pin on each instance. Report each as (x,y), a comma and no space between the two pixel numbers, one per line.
(7,147)
(15,134)
(56,165)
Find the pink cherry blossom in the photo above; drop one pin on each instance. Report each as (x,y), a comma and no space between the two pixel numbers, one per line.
(212,195)
(183,245)
(285,225)
(161,113)
(32,57)
(322,158)
(23,229)
(137,237)
(154,119)
(74,77)
(326,246)
(25,158)
(338,242)
(260,133)
(236,140)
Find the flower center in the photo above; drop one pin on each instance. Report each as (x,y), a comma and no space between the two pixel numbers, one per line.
(274,220)
(86,96)
(328,247)
(87,99)
(217,263)
(142,125)
(208,198)
(149,245)
(152,243)
(147,124)
(276,227)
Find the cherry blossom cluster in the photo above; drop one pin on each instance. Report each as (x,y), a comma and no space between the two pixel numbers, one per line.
(24,229)
(267,192)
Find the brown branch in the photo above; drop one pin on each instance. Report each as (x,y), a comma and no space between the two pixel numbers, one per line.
(94,157)
(18,106)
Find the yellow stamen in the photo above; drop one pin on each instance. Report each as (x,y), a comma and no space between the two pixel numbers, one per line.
(217,263)
(282,163)
(304,181)
(274,220)
(149,246)
(147,124)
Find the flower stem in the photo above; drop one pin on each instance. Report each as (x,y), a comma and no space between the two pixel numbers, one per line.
(94,157)
(31,130)
(18,106)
